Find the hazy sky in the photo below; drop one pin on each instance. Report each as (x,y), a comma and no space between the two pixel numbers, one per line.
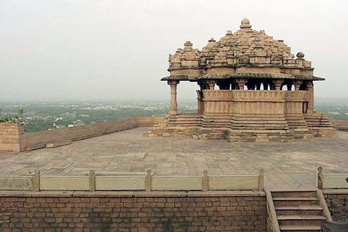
(113,49)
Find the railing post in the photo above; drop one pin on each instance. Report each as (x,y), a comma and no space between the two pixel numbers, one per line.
(261,180)
(92,180)
(36,181)
(320,178)
(205,181)
(148,178)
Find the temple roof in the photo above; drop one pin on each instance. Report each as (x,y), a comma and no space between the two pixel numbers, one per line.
(245,48)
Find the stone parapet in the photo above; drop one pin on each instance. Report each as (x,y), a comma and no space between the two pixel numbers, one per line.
(13,138)
(131,182)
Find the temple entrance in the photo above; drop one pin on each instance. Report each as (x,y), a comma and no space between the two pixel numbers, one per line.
(187,98)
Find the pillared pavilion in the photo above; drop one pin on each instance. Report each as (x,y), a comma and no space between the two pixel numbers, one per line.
(251,88)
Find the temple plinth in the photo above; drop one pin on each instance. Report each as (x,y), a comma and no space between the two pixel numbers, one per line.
(251,88)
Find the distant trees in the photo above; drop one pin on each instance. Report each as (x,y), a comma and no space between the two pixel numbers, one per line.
(12,118)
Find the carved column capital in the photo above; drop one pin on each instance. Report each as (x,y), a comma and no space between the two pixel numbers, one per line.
(173,82)
(211,84)
(240,83)
(277,83)
(297,84)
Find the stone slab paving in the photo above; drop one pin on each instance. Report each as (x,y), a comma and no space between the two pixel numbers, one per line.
(286,165)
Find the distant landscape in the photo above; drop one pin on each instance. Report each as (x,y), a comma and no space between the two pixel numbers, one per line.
(39,116)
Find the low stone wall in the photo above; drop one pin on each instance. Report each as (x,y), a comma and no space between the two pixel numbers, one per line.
(337,201)
(133,211)
(39,139)
(13,138)
(341,125)
(148,121)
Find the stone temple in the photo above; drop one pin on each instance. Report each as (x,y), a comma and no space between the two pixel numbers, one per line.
(251,88)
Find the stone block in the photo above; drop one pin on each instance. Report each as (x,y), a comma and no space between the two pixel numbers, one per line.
(335,181)
(16,183)
(177,183)
(64,183)
(240,182)
(120,182)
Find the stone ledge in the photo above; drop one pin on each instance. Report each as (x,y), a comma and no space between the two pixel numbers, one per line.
(335,191)
(130,194)
(227,194)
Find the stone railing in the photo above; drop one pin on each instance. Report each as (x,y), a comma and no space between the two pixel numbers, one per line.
(334,188)
(331,181)
(132,182)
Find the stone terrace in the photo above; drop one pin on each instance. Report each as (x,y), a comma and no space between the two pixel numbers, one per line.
(287,165)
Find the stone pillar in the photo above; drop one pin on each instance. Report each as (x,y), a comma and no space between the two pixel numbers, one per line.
(240,83)
(310,90)
(200,102)
(211,84)
(173,101)
(289,85)
(278,84)
(12,137)
(297,84)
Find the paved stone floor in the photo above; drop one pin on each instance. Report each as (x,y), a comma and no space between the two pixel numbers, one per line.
(286,165)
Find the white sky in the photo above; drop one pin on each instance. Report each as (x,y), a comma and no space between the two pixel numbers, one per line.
(115,50)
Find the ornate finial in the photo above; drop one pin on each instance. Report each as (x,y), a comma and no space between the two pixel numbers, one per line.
(300,55)
(229,32)
(188,44)
(245,24)
(212,40)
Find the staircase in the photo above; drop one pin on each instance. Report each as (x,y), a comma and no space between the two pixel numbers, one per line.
(320,125)
(260,128)
(296,210)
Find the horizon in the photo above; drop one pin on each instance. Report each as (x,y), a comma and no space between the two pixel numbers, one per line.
(139,100)
(97,50)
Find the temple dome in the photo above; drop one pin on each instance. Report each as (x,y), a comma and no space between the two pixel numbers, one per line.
(245,44)
(244,47)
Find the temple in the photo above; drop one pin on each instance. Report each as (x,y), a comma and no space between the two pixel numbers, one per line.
(251,88)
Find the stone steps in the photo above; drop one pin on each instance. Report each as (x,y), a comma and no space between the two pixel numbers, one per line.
(301,228)
(297,211)
(247,128)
